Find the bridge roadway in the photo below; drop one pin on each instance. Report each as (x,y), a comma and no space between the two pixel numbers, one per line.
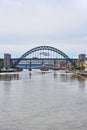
(15,59)
(35,58)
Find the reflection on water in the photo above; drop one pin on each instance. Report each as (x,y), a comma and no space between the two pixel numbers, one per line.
(55,74)
(43,101)
(82,81)
(73,78)
(64,77)
(8,77)
(30,75)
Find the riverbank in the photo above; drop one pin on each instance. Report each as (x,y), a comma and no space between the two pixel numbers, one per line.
(82,73)
(10,70)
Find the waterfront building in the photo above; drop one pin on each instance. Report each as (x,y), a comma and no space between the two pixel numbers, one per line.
(7,60)
(81,59)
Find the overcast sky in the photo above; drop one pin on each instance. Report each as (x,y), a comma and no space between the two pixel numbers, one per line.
(25,24)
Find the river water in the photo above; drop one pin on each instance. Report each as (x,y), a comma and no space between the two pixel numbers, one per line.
(43,101)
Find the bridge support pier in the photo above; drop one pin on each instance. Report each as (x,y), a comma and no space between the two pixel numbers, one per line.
(42,62)
(54,62)
(30,69)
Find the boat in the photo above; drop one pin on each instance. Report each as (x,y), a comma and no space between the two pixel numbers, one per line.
(83,73)
(44,68)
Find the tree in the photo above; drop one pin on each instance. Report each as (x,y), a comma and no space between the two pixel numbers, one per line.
(80,68)
(1,65)
(72,68)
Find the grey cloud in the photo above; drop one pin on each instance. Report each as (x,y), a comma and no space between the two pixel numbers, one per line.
(48,20)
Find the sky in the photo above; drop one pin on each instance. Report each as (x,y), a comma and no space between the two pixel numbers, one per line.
(25,24)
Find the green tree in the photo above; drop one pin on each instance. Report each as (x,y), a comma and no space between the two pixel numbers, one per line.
(72,68)
(1,65)
(80,68)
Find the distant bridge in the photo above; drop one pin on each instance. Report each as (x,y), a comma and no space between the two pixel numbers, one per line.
(42,53)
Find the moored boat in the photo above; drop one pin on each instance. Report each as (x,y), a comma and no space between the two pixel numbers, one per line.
(83,73)
(44,68)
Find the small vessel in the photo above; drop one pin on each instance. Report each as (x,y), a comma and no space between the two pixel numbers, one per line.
(44,68)
(67,71)
(83,73)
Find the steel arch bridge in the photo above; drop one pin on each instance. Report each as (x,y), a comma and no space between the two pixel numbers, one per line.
(44,48)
